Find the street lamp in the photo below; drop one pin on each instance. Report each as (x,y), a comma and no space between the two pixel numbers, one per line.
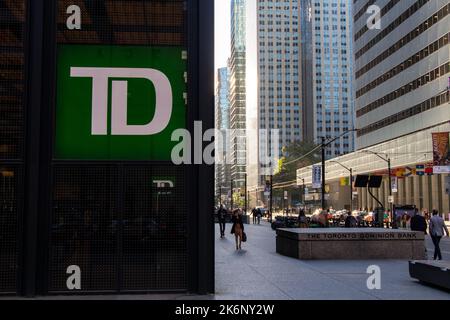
(351,182)
(388,160)
(231,195)
(303,193)
(324,145)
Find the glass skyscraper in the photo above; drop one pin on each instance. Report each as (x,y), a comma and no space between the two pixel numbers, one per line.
(237,92)
(331,65)
(222,119)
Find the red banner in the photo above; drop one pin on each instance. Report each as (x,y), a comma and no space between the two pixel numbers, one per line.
(441,152)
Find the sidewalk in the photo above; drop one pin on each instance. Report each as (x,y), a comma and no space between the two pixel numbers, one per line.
(258,272)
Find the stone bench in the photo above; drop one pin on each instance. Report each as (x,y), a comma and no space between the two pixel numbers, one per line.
(436,273)
(350,244)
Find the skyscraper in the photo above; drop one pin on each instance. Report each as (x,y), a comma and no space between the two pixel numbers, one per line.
(222,119)
(402,70)
(277,103)
(237,92)
(330,47)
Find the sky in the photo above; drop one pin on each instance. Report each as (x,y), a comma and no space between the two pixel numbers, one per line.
(222,32)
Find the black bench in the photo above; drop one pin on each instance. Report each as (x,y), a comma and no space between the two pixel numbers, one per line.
(436,273)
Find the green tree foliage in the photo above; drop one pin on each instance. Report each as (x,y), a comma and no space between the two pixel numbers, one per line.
(287,167)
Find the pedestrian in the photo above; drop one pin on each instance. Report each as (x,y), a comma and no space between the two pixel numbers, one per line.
(426,214)
(222,216)
(258,215)
(238,227)
(437,228)
(254,213)
(350,221)
(418,223)
(302,220)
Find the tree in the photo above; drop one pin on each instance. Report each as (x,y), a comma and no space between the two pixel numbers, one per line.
(296,155)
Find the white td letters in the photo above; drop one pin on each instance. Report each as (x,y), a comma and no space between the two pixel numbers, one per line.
(119,105)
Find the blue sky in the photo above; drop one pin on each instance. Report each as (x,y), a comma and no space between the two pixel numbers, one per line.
(222,32)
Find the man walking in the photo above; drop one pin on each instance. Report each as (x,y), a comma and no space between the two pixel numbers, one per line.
(259,214)
(254,213)
(418,223)
(437,228)
(222,214)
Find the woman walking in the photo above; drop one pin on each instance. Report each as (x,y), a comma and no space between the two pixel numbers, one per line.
(238,227)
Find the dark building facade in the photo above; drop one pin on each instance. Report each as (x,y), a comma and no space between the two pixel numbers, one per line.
(90,94)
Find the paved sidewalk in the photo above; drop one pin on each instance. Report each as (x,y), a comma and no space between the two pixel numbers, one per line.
(258,272)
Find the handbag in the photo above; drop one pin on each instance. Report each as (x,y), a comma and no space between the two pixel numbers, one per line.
(244,237)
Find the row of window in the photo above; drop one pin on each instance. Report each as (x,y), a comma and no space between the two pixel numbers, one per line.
(278,23)
(417,109)
(280,30)
(413,85)
(418,56)
(397,22)
(383,12)
(334,5)
(435,18)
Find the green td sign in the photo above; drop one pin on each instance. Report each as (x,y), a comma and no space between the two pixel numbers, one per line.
(119,103)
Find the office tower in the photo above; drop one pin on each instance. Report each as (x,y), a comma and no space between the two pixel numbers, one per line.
(330,57)
(401,70)
(222,118)
(237,93)
(274,85)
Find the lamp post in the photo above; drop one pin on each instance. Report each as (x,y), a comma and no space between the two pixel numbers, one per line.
(324,145)
(388,161)
(350,180)
(271,196)
(303,192)
(245,194)
(231,196)
(323,173)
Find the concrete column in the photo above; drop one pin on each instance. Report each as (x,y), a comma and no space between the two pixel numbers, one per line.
(408,190)
(444,197)
(417,197)
(364,198)
(401,192)
(435,195)
(426,193)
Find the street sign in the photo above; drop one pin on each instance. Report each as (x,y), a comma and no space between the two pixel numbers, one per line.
(285,195)
(391,199)
(316,176)
(119,102)
(306,190)
(394,184)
